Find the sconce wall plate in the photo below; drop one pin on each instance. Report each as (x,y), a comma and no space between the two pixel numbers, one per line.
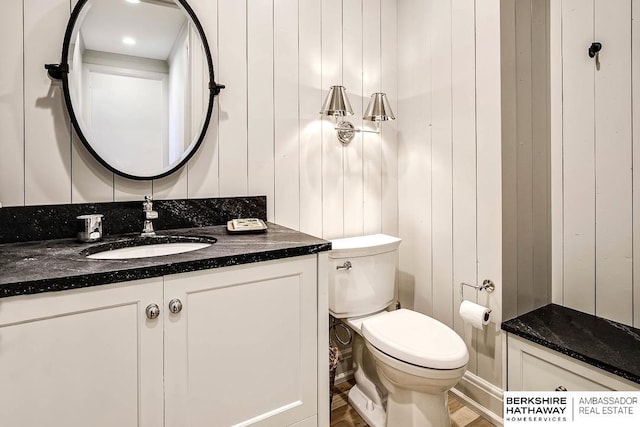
(346,132)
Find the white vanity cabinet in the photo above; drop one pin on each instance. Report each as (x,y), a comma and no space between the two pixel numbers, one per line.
(532,367)
(243,345)
(83,357)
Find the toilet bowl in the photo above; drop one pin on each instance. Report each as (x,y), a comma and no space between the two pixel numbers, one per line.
(404,361)
(418,359)
(368,396)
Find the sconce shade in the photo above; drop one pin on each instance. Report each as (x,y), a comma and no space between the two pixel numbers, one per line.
(337,103)
(378,109)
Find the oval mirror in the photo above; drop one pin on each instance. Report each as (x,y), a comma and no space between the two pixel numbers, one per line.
(138,83)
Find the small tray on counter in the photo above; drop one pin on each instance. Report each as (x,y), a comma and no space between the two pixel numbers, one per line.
(246,225)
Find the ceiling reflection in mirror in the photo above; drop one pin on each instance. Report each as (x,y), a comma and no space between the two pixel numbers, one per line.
(138,83)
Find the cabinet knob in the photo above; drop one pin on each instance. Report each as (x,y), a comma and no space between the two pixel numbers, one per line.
(175,306)
(152,311)
(561,388)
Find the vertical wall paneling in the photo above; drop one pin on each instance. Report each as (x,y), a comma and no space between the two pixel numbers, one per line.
(260,120)
(540,158)
(525,156)
(423,146)
(613,148)
(449,167)
(232,145)
(287,135)
(524,153)
(173,186)
(463,58)
(508,28)
(12,189)
(47,149)
(442,164)
(635,91)
(90,181)
(489,231)
(555,126)
(127,189)
(203,166)
(310,98)
(578,155)
(389,132)
(414,154)
(332,166)
(593,186)
(371,142)
(354,159)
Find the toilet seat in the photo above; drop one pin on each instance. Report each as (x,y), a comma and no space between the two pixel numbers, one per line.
(355,323)
(417,339)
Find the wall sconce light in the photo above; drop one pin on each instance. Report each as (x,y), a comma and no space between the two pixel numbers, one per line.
(337,104)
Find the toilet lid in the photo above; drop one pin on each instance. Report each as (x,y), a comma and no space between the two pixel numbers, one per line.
(414,338)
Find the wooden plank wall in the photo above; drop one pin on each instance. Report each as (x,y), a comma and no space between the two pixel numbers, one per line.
(526,181)
(635,94)
(449,166)
(277,59)
(593,177)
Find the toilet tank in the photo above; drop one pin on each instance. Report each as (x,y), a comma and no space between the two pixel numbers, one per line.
(368,286)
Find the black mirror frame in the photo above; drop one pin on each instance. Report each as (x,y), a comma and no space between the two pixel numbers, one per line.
(61,72)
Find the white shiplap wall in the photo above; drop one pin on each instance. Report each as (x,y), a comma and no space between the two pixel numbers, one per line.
(449,165)
(595,202)
(277,59)
(525,156)
(433,176)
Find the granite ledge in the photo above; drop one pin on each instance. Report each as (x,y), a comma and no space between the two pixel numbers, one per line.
(57,265)
(603,343)
(48,222)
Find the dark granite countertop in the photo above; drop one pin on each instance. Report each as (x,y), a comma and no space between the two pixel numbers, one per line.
(603,343)
(55,265)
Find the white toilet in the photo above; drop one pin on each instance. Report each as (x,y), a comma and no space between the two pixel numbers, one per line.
(404,362)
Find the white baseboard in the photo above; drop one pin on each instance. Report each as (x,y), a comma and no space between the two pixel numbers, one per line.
(481,396)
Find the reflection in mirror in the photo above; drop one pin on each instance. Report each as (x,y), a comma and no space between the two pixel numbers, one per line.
(138,84)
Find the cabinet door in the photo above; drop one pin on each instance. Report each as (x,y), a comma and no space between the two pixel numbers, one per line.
(243,350)
(78,358)
(532,367)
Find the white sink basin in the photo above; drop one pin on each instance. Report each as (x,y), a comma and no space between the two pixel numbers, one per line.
(145,248)
(149,251)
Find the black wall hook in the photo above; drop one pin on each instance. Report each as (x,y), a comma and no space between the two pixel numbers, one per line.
(216,88)
(55,71)
(594,49)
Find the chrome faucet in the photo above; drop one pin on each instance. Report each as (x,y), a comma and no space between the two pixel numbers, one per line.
(149,214)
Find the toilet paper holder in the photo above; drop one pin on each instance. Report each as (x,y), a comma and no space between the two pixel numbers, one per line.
(487,285)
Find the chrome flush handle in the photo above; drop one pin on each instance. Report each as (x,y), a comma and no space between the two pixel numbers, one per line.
(346,266)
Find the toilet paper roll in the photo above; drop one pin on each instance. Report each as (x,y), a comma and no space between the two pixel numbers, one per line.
(475,314)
